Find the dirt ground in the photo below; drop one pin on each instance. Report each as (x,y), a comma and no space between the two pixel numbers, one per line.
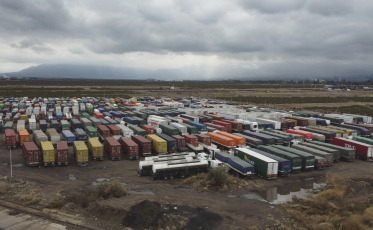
(165,204)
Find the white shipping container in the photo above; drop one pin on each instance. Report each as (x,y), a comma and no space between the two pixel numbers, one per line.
(66,109)
(183,130)
(21,125)
(32,124)
(75,110)
(126,132)
(29,111)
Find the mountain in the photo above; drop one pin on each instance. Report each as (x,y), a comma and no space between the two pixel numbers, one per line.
(82,72)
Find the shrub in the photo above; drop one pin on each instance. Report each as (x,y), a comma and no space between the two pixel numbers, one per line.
(218,176)
(111,189)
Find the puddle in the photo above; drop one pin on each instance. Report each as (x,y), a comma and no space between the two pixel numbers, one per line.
(72,177)
(18,165)
(301,188)
(142,192)
(100,180)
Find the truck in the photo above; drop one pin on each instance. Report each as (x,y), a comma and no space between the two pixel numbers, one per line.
(308,160)
(181,143)
(239,140)
(284,165)
(346,154)
(62,153)
(145,145)
(48,154)
(31,153)
(236,126)
(266,139)
(180,169)
(235,165)
(363,151)
(159,145)
(264,166)
(296,161)
(286,138)
(81,153)
(130,148)
(328,156)
(96,149)
(336,153)
(113,148)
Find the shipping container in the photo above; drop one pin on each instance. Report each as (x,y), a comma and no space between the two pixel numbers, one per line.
(306,134)
(264,166)
(114,130)
(76,124)
(39,136)
(361,131)
(113,148)
(284,165)
(228,126)
(23,136)
(137,130)
(286,139)
(99,115)
(239,140)
(91,132)
(145,145)
(85,122)
(103,131)
(327,134)
(62,153)
(95,121)
(347,154)
(336,153)
(131,120)
(126,132)
(96,149)
(68,136)
(181,143)
(252,141)
(320,162)
(328,156)
(266,139)
(300,121)
(308,160)
(130,148)
(21,124)
(8,125)
(222,140)
(191,139)
(201,127)
(296,161)
(64,125)
(236,126)
(191,129)
(10,139)
(149,129)
(215,126)
(182,129)
(43,125)
(363,151)
(204,139)
(169,130)
(80,135)
(48,153)
(53,136)
(367,126)
(31,153)
(159,145)
(243,168)
(81,153)
(32,124)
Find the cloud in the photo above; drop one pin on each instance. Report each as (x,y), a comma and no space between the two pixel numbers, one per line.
(209,35)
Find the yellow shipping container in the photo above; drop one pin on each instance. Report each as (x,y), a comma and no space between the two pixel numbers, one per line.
(24,117)
(292,121)
(96,149)
(49,156)
(81,152)
(158,144)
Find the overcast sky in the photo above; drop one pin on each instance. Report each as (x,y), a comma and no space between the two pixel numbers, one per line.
(231,38)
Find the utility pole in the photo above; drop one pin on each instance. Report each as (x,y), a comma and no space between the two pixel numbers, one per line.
(11,165)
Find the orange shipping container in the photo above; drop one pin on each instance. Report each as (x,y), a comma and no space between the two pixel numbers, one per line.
(240,140)
(23,136)
(222,139)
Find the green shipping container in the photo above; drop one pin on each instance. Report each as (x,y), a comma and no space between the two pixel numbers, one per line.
(159,145)
(65,125)
(86,115)
(285,138)
(336,153)
(346,153)
(141,121)
(264,166)
(363,140)
(296,161)
(308,160)
(2,106)
(137,130)
(91,131)
(8,125)
(169,130)
(191,129)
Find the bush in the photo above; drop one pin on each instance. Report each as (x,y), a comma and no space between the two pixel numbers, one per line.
(111,189)
(218,176)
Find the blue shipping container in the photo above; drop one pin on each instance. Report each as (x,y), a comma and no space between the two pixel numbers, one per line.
(69,136)
(200,127)
(284,165)
(241,165)
(171,142)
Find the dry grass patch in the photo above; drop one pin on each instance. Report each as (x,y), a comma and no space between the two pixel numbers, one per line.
(110,189)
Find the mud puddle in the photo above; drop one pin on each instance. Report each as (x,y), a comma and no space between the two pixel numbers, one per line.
(300,188)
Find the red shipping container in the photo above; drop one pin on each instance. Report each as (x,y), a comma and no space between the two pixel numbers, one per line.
(31,153)
(214,116)
(184,120)
(228,126)
(149,129)
(235,125)
(62,153)
(363,151)
(115,130)
(130,148)
(99,115)
(10,139)
(191,139)
(78,116)
(41,115)
(215,126)
(180,141)
(300,121)
(113,148)
(204,139)
(145,145)
(103,130)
